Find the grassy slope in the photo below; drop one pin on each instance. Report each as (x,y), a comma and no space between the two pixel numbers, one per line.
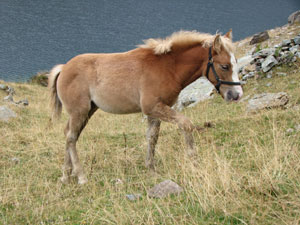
(247,170)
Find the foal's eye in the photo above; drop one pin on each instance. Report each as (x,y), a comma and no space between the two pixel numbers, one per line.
(225,67)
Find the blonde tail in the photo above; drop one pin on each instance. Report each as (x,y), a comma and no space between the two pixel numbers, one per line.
(56,105)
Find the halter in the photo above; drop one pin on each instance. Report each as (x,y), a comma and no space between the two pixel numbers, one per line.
(211,64)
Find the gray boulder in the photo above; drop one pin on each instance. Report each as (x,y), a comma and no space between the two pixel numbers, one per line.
(260,37)
(294,17)
(267,101)
(269,63)
(194,93)
(164,189)
(6,113)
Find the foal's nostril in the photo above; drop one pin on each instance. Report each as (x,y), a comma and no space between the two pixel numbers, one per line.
(232,95)
(229,95)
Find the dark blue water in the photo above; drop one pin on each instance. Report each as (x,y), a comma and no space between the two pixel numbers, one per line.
(36,34)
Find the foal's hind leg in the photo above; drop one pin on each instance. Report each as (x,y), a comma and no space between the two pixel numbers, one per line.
(152,137)
(76,123)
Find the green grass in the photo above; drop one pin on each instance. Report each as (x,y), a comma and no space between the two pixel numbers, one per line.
(247,170)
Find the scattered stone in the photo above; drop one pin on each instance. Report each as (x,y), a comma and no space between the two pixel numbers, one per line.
(264,52)
(164,189)
(269,84)
(133,197)
(281,74)
(294,18)
(15,160)
(6,113)
(248,76)
(269,63)
(194,93)
(118,181)
(8,98)
(290,130)
(297,40)
(286,43)
(260,37)
(267,101)
(3,87)
(269,75)
(294,49)
(23,102)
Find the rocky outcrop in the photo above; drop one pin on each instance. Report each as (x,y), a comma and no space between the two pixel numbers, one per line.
(260,37)
(294,18)
(267,101)
(264,60)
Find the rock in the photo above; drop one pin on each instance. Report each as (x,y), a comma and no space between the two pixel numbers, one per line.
(118,182)
(241,62)
(297,127)
(290,130)
(248,76)
(3,87)
(268,63)
(266,101)
(281,74)
(133,197)
(164,189)
(257,38)
(197,91)
(294,49)
(269,75)
(297,40)
(294,18)
(23,102)
(264,52)
(8,98)
(286,43)
(6,113)
(268,84)
(15,160)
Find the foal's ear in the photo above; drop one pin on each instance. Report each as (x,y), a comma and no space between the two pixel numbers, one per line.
(217,43)
(229,35)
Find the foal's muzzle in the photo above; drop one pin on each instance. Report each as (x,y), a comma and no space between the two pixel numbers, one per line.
(232,95)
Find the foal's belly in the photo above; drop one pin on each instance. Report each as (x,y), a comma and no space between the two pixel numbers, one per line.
(117,101)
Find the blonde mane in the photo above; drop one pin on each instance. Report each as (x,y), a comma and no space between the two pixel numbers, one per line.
(182,39)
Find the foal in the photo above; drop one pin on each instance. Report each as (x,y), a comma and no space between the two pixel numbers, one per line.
(147,79)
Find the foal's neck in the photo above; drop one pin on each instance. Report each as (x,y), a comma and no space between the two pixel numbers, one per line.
(191,64)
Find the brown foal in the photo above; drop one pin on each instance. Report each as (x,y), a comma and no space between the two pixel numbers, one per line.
(147,79)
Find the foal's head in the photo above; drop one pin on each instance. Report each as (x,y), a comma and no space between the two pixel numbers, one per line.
(222,68)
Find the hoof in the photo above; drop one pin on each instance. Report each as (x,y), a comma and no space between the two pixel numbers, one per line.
(82,180)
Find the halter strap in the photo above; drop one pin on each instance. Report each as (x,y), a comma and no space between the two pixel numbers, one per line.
(219,81)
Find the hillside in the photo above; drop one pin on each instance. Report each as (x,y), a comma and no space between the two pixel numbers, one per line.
(247,170)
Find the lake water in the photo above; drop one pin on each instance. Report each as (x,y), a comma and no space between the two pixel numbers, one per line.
(35,34)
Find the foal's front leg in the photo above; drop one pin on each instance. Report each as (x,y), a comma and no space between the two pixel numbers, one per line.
(167,114)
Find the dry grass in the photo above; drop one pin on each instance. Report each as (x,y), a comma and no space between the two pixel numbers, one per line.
(247,170)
